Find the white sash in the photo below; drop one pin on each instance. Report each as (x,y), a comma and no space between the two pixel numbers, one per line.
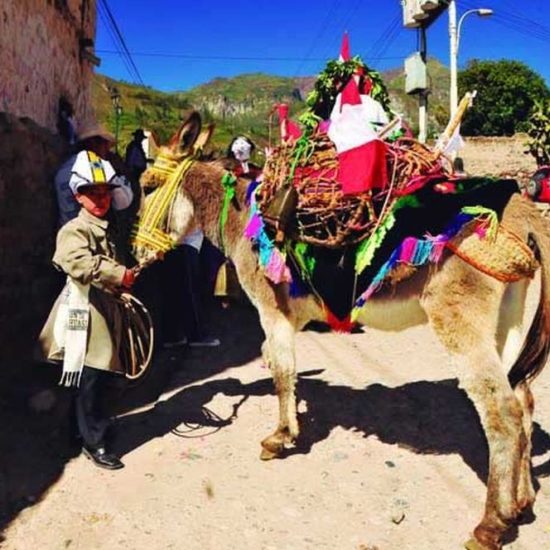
(71,330)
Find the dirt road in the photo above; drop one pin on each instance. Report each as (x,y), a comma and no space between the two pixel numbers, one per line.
(392,456)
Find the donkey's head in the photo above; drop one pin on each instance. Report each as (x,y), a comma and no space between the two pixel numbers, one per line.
(168,211)
(181,146)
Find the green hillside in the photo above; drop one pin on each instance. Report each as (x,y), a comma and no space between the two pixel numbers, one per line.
(242,104)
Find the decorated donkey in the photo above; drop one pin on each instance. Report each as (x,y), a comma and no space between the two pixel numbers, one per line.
(477,318)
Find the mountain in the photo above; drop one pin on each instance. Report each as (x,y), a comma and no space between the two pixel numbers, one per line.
(242,104)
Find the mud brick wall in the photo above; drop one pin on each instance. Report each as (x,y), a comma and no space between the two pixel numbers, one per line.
(41,57)
(29,158)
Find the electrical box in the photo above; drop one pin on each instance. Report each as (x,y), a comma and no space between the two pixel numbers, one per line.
(429,5)
(410,7)
(416,74)
(422,13)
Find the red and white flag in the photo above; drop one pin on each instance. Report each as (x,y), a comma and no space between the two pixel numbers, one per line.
(289,130)
(361,154)
(344,49)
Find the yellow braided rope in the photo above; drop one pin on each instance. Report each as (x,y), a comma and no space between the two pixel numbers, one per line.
(150,232)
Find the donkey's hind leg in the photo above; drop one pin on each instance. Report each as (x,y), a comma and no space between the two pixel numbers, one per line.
(501,416)
(510,339)
(526,492)
(278,352)
(467,327)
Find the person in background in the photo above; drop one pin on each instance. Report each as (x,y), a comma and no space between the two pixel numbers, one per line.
(458,168)
(84,328)
(238,154)
(222,272)
(135,158)
(65,121)
(92,156)
(183,319)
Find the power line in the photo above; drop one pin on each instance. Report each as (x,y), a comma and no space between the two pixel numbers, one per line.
(319,34)
(228,57)
(118,51)
(341,22)
(521,24)
(121,41)
(388,35)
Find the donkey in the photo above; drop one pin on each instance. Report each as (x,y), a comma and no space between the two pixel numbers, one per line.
(477,318)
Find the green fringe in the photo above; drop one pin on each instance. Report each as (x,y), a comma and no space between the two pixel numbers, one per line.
(305,261)
(368,247)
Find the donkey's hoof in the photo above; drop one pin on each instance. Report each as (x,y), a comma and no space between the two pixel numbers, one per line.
(267,455)
(526,513)
(485,538)
(474,544)
(272,447)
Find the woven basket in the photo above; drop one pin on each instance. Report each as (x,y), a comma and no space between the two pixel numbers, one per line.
(506,257)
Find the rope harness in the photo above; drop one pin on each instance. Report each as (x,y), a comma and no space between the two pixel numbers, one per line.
(151,230)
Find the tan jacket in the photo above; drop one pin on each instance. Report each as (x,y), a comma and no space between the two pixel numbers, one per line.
(85,252)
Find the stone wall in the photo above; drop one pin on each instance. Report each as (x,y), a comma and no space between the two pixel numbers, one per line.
(29,158)
(40,60)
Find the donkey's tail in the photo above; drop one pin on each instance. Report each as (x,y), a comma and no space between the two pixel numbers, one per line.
(536,347)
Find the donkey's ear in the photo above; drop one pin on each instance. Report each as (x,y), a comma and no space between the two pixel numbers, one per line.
(187,134)
(203,139)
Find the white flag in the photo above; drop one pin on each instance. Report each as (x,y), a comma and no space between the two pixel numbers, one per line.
(454,144)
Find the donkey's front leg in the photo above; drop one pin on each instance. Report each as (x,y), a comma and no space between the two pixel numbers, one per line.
(278,351)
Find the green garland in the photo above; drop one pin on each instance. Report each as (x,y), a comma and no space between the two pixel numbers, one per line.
(331,81)
(229,183)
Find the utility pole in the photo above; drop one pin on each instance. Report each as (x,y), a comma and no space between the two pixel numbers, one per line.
(453,95)
(423,95)
(454,36)
(420,14)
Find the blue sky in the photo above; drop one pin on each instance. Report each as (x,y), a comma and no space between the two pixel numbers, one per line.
(189,42)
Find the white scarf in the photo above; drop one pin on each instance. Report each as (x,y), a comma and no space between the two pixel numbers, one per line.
(71,330)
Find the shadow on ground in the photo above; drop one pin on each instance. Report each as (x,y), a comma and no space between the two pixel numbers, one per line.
(424,417)
(35,446)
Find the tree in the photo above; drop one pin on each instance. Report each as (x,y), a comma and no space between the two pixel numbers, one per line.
(506,94)
(539,133)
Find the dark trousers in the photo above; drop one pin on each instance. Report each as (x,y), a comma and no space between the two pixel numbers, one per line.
(172,290)
(91,421)
(182,284)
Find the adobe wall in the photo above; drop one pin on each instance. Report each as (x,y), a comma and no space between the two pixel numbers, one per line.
(40,61)
(29,158)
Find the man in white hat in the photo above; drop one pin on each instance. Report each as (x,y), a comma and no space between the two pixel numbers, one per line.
(87,165)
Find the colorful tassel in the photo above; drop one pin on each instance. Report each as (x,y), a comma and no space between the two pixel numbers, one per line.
(488,219)
(254,227)
(418,252)
(270,258)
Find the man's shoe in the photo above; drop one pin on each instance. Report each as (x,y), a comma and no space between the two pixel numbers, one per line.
(205,343)
(101,458)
